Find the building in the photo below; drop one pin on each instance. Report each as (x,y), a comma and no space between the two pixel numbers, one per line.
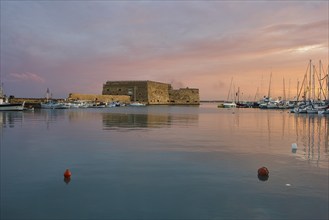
(152,93)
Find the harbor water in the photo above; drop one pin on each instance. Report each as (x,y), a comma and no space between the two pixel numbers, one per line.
(163,162)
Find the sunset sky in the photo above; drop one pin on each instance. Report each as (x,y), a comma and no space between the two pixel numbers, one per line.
(76,46)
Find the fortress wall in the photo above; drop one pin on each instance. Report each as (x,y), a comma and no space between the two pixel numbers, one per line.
(184,96)
(158,93)
(100,98)
(136,90)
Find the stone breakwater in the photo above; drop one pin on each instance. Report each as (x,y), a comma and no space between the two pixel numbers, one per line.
(30,102)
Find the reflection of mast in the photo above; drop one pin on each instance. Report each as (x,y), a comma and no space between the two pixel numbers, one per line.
(268,128)
(319,139)
(283,124)
(297,126)
(326,133)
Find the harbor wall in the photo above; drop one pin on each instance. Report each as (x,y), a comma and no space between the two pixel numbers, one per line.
(99,98)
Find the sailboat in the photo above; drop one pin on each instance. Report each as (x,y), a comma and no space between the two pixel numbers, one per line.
(6,106)
(267,102)
(228,104)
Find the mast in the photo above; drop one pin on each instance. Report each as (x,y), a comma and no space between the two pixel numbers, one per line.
(328,83)
(320,70)
(284,90)
(1,87)
(269,87)
(310,83)
(229,91)
(238,94)
(297,97)
(289,90)
(313,83)
(256,94)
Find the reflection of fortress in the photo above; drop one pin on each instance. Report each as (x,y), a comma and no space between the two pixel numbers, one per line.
(118,120)
(153,93)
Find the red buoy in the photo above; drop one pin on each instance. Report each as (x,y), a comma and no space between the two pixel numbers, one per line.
(263,171)
(67,173)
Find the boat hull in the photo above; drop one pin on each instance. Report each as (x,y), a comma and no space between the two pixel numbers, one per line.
(11,107)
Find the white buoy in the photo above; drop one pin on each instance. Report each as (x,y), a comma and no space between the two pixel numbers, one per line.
(294,146)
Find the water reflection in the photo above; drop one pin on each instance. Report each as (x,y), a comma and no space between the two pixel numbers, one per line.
(67,180)
(113,120)
(9,119)
(312,133)
(259,128)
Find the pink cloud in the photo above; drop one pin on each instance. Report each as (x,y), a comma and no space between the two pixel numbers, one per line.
(27,76)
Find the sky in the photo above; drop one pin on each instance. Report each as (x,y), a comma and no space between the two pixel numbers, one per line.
(76,46)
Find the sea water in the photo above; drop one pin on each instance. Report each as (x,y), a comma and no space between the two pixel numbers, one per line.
(163,162)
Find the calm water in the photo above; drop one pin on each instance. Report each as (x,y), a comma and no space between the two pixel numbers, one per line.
(163,162)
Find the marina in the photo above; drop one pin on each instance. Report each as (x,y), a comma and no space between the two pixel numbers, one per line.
(164,110)
(163,162)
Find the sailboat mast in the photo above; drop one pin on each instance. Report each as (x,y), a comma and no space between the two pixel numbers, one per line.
(309,82)
(284,90)
(1,85)
(269,87)
(313,83)
(289,90)
(297,97)
(328,83)
(229,91)
(320,70)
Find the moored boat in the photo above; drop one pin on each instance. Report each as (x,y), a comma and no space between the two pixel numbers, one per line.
(137,104)
(229,105)
(6,106)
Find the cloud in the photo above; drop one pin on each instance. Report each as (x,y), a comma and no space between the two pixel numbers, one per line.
(27,77)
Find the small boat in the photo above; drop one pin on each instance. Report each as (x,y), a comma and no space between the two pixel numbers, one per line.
(136,104)
(52,104)
(229,105)
(324,111)
(6,106)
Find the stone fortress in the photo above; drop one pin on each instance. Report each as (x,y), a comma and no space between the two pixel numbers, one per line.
(152,93)
(146,92)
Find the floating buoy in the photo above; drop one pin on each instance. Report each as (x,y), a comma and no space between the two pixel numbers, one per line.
(294,147)
(263,171)
(67,173)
